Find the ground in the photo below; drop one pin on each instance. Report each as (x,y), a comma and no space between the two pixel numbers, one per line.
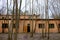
(36,36)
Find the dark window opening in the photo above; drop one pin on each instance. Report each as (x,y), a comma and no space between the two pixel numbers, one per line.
(58,25)
(51,25)
(4,25)
(41,25)
(13,25)
(58,28)
(2,17)
(28,28)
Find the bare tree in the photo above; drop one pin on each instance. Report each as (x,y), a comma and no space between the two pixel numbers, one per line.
(56,16)
(54,8)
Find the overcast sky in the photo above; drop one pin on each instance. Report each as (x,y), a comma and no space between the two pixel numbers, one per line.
(4,2)
(41,5)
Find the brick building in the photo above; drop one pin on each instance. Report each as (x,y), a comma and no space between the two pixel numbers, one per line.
(27,24)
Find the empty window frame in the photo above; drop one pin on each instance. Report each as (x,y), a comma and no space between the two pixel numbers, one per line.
(41,25)
(4,25)
(2,17)
(14,26)
(58,25)
(51,25)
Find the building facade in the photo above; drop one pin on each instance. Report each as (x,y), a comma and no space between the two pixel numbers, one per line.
(27,24)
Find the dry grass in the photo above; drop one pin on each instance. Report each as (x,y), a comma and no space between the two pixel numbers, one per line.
(27,36)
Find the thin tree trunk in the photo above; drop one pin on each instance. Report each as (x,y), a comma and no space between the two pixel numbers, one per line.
(16,20)
(32,19)
(24,30)
(20,10)
(9,33)
(47,17)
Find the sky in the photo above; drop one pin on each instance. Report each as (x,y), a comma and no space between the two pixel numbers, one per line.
(4,2)
(35,6)
(0,4)
(41,5)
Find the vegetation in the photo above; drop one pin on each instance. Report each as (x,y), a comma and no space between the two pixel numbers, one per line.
(56,16)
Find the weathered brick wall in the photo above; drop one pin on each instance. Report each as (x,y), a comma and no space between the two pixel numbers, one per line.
(23,25)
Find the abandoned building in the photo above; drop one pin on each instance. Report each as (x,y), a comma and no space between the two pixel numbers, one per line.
(27,24)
